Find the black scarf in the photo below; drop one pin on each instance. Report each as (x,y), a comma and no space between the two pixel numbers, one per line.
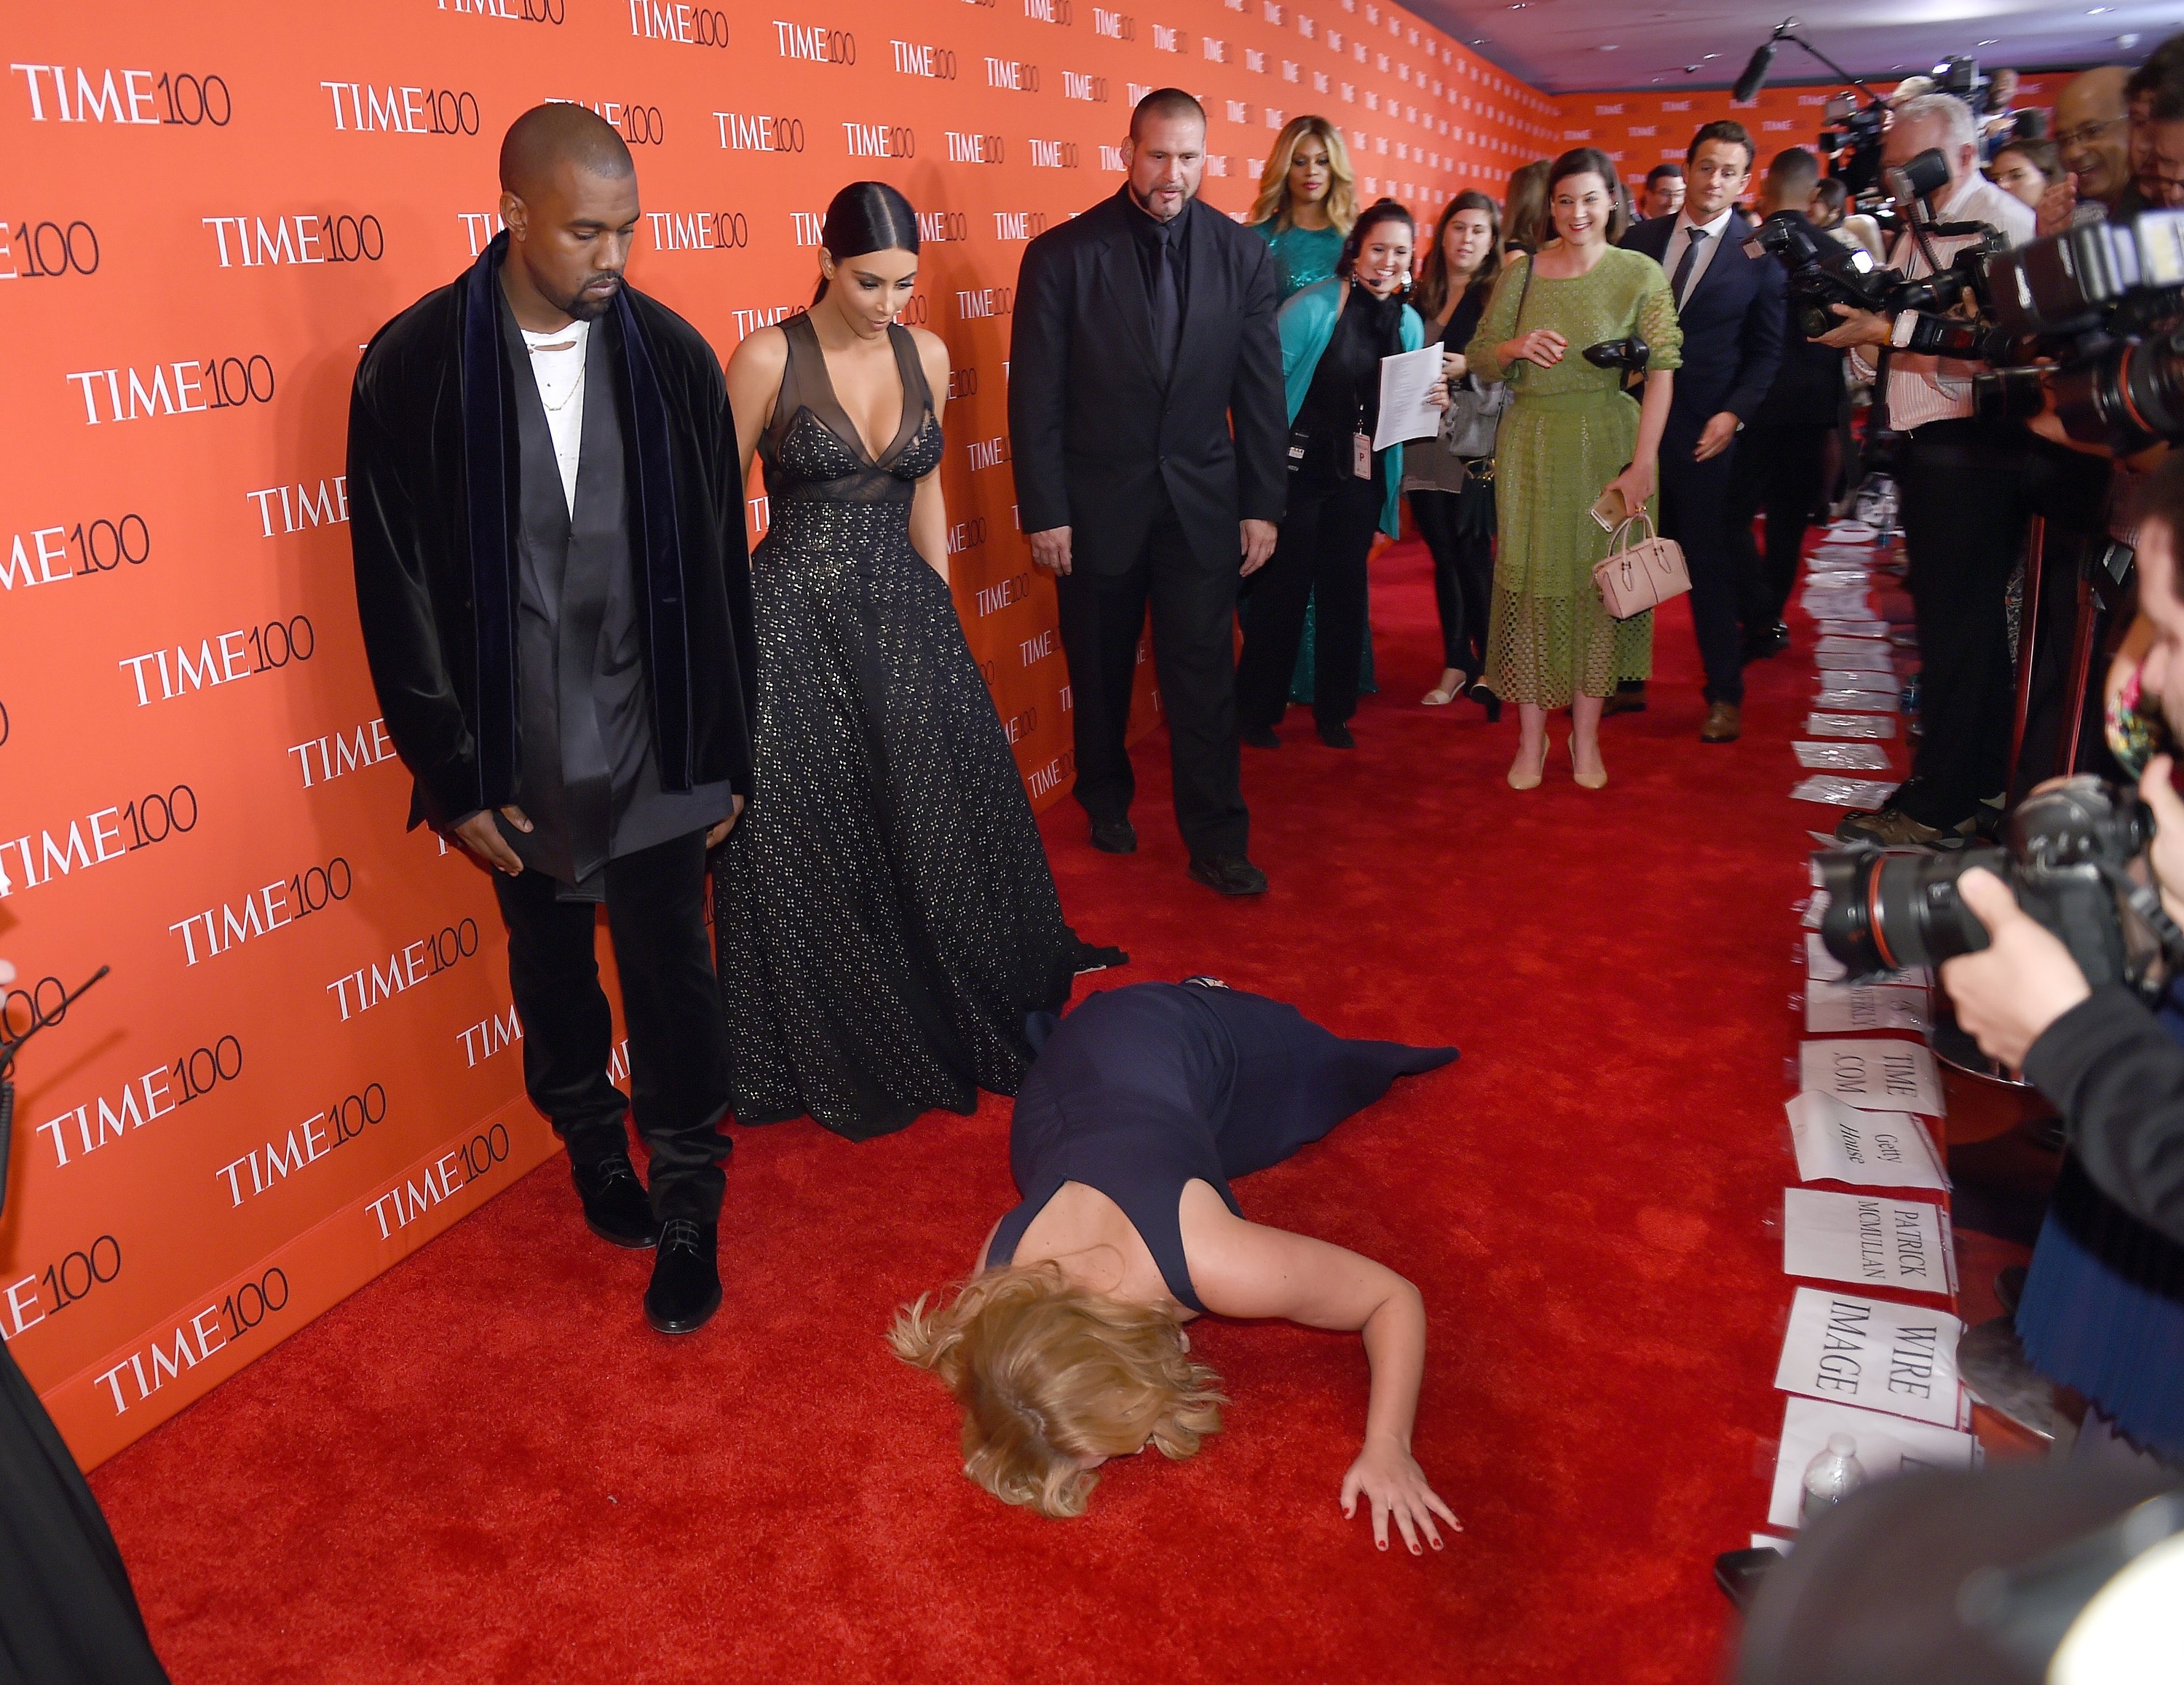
(490,461)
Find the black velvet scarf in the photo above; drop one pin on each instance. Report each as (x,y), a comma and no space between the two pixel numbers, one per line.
(492,472)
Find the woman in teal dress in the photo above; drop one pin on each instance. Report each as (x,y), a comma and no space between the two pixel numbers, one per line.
(1307,204)
(1571,432)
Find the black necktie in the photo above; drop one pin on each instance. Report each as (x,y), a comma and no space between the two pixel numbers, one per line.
(1167,299)
(1683,264)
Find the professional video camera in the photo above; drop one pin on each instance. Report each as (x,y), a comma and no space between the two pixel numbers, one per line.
(2091,321)
(2068,858)
(1823,271)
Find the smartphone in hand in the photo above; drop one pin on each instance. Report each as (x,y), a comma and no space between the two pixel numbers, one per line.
(1610,512)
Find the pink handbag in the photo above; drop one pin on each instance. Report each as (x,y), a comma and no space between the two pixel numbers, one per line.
(1636,577)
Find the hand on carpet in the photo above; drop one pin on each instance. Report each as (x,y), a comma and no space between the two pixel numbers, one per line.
(1389,1478)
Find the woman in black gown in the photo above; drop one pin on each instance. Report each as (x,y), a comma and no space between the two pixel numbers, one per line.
(884,915)
(1067,1346)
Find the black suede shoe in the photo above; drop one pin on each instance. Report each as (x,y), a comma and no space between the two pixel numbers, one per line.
(1337,737)
(1260,736)
(686,1276)
(1230,874)
(1627,699)
(617,1208)
(1114,837)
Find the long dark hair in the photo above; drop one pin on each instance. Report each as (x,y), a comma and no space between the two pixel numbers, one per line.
(1528,227)
(1588,161)
(1379,211)
(1434,282)
(866,216)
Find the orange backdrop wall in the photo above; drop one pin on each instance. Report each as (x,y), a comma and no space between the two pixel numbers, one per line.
(305,1063)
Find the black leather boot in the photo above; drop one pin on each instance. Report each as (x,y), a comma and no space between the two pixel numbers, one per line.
(686,1276)
(616,1207)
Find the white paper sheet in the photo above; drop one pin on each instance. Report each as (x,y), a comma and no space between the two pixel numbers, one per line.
(1867,1239)
(1842,757)
(1827,604)
(1831,1008)
(1862,627)
(1836,643)
(1844,792)
(1887,1446)
(1852,533)
(1837,579)
(1406,378)
(1816,906)
(1857,701)
(1885,1356)
(1882,681)
(1849,725)
(1836,1142)
(1861,655)
(1874,1075)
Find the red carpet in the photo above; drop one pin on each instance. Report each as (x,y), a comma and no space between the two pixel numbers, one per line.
(485,1467)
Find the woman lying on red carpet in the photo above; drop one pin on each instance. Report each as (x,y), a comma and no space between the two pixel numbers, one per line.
(1067,1348)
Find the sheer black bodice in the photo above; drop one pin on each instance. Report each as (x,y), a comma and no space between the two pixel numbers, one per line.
(885,916)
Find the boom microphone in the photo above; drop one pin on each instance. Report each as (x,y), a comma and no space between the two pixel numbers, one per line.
(1755,73)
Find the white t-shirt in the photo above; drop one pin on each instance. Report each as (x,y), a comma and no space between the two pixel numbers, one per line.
(557,364)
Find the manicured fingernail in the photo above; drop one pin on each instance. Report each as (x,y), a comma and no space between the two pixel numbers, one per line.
(1384,1545)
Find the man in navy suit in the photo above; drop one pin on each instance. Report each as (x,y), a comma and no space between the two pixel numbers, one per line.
(1730,305)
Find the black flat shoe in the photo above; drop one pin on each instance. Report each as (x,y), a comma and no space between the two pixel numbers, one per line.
(1486,699)
(1230,874)
(686,1276)
(1114,837)
(1337,737)
(1260,736)
(617,1208)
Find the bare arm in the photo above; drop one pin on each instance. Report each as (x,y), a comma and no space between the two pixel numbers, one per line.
(1244,1268)
(1637,482)
(754,375)
(929,513)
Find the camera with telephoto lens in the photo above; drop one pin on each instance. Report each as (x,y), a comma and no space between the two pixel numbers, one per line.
(2094,319)
(2068,858)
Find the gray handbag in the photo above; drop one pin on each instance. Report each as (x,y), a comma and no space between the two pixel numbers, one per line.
(1473,416)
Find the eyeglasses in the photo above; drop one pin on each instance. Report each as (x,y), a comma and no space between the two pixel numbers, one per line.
(2086,133)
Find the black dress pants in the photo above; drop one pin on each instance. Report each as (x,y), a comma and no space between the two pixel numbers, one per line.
(1695,513)
(1778,470)
(670,998)
(1463,549)
(1194,621)
(1966,497)
(1319,558)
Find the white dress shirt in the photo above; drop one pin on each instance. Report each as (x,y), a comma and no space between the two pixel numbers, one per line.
(1916,397)
(1680,236)
(557,364)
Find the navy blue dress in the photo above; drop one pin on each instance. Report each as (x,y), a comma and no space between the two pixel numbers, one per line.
(1144,1088)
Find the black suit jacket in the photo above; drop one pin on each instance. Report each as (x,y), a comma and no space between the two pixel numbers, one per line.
(1732,326)
(1094,435)
(436,573)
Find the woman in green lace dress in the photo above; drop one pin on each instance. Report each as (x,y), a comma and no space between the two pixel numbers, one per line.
(1571,432)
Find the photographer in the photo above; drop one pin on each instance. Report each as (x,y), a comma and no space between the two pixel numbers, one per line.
(1964,502)
(2107,1063)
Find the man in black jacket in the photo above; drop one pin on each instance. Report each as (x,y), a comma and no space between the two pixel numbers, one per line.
(1731,306)
(1781,454)
(555,597)
(1144,330)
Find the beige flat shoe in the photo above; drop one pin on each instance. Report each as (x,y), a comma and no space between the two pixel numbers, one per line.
(1589,780)
(1525,777)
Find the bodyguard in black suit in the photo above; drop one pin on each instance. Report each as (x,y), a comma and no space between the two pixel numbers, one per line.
(1731,306)
(1145,330)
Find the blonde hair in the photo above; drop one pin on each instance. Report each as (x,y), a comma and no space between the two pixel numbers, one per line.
(1050,1375)
(1273,202)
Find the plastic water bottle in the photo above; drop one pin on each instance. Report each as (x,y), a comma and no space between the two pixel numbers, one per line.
(1831,1477)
